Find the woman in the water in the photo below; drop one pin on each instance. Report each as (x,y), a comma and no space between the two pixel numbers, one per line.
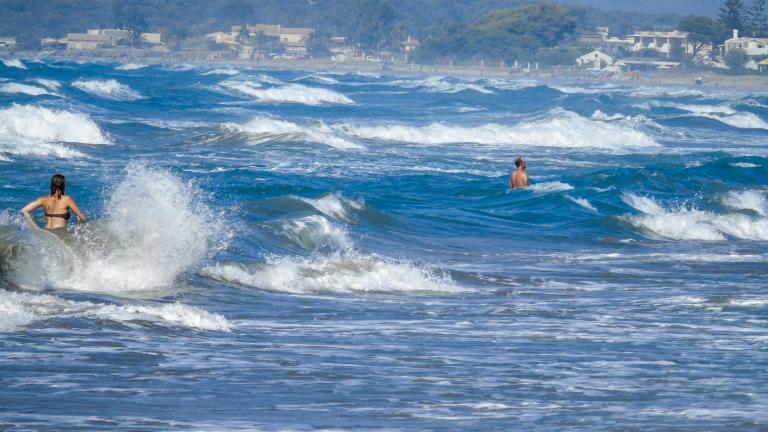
(56,206)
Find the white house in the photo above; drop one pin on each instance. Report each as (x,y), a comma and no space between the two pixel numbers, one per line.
(751,46)
(7,42)
(596,60)
(660,41)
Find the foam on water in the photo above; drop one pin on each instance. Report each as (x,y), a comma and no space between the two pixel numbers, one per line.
(290,93)
(315,232)
(14,63)
(267,129)
(743,120)
(341,272)
(34,130)
(336,206)
(52,85)
(439,84)
(692,224)
(222,71)
(582,202)
(752,199)
(558,129)
(142,250)
(546,187)
(18,309)
(108,89)
(16,88)
(130,66)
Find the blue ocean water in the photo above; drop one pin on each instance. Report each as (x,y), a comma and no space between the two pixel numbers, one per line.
(290,250)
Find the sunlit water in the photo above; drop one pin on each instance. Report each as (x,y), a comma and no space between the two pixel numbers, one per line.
(280,250)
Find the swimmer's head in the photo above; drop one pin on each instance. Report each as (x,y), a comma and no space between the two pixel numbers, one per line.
(520,162)
(58,185)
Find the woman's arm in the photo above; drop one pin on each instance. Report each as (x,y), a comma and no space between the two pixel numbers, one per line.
(28,208)
(71,204)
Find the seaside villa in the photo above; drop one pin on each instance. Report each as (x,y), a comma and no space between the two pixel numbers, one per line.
(753,47)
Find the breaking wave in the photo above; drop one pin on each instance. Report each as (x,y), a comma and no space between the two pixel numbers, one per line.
(693,224)
(752,200)
(14,63)
(562,129)
(289,93)
(108,89)
(336,206)
(554,186)
(341,272)
(130,66)
(129,249)
(18,309)
(34,130)
(222,71)
(267,129)
(16,88)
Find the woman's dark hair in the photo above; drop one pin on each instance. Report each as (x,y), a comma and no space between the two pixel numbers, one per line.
(58,185)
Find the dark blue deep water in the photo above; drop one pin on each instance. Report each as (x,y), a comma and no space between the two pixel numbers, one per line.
(288,250)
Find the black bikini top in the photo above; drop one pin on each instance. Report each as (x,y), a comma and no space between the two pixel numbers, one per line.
(64,216)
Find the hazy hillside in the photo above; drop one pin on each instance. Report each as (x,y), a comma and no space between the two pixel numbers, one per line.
(680,7)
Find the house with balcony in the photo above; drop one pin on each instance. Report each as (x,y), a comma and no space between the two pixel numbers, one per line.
(663,42)
(753,47)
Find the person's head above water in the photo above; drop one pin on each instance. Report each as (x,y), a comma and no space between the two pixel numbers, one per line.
(58,185)
(520,162)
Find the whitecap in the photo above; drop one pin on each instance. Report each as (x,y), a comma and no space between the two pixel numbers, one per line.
(692,224)
(290,93)
(314,232)
(14,63)
(751,199)
(559,128)
(222,71)
(744,165)
(336,206)
(267,129)
(346,272)
(16,88)
(108,89)
(130,66)
(554,186)
(33,130)
(582,202)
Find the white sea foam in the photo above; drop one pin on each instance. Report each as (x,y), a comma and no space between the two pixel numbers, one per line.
(314,232)
(21,309)
(345,272)
(222,71)
(17,88)
(267,129)
(752,199)
(560,128)
(554,186)
(651,92)
(336,206)
(148,249)
(52,85)
(441,85)
(582,202)
(14,63)
(290,93)
(745,165)
(693,224)
(130,66)
(742,120)
(322,79)
(588,90)
(33,130)
(108,89)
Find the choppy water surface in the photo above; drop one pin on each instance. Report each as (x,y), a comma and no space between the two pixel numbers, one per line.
(280,250)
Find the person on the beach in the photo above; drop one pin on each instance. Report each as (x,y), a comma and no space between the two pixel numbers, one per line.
(56,206)
(519,178)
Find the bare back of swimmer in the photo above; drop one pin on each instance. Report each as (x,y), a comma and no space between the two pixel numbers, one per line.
(57,206)
(519,178)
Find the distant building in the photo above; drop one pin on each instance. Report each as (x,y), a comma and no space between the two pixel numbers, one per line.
(298,48)
(284,34)
(54,43)
(221,38)
(763,66)
(112,35)
(7,42)
(152,38)
(409,45)
(337,44)
(592,39)
(753,47)
(660,41)
(596,60)
(85,41)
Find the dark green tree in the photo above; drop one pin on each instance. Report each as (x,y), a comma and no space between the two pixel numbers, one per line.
(733,15)
(757,19)
(702,31)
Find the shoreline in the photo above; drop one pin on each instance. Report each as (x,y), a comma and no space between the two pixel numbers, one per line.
(678,79)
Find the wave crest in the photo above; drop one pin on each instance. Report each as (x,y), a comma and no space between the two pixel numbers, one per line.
(108,89)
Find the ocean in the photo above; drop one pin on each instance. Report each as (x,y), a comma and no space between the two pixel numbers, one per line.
(294,250)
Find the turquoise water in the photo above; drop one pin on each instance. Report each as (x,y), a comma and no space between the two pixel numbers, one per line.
(288,250)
